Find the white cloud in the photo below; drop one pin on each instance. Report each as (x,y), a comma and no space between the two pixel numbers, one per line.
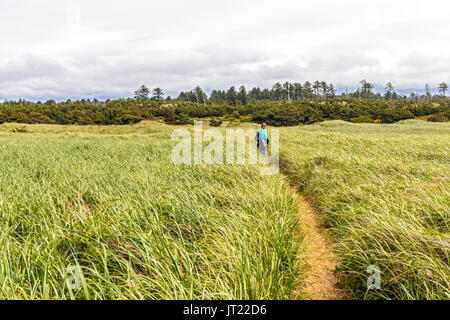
(80,48)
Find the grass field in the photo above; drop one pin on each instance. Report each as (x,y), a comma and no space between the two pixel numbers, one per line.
(109,200)
(384,194)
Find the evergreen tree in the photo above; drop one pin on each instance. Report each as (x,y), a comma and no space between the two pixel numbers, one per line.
(316,87)
(242,95)
(307,90)
(298,91)
(277,91)
(331,91)
(200,96)
(366,89)
(232,96)
(157,94)
(443,88)
(140,94)
(389,91)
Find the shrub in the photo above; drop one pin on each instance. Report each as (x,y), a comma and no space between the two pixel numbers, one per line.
(439,117)
(178,118)
(278,113)
(362,119)
(391,115)
(215,122)
(22,129)
(236,115)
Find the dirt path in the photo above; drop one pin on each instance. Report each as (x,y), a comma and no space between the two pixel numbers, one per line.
(320,282)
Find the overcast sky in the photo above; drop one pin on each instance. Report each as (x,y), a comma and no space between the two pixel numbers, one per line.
(106,49)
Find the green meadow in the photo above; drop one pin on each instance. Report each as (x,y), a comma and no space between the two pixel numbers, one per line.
(383,192)
(108,201)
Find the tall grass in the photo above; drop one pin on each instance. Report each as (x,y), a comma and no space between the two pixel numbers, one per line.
(109,200)
(384,192)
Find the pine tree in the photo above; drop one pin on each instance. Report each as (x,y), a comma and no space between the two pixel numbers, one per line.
(242,95)
(443,88)
(389,91)
(277,91)
(157,94)
(142,93)
(232,96)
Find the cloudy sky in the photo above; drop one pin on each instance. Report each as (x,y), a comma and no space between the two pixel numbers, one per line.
(106,49)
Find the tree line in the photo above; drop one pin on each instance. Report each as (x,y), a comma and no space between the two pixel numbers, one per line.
(281,112)
(283,104)
(285,113)
(285,92)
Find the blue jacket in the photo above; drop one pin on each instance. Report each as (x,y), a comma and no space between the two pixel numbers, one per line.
(261,135)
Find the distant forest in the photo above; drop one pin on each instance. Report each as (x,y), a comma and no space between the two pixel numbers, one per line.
(283,105)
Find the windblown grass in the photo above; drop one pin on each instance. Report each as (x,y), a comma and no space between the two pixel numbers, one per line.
(109,200)
(384,191)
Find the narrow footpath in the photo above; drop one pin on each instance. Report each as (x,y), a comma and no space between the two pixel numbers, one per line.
(320,283)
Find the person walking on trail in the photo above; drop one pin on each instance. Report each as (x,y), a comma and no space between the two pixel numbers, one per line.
(261,138)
